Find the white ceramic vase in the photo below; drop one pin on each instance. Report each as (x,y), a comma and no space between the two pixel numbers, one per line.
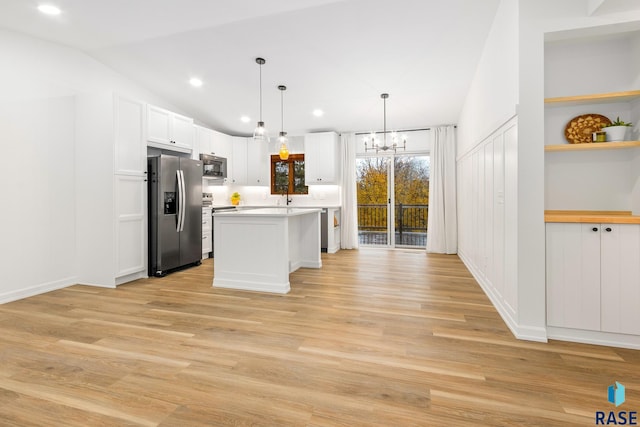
(616,133)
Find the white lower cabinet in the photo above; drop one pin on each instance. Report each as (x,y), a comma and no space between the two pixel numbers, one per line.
(131,224)
(620,274)
(593,277)
(206,232)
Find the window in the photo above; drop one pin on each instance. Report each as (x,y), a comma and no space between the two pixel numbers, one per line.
(288,175)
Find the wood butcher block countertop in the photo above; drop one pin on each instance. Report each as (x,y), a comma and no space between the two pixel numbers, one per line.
(609,217)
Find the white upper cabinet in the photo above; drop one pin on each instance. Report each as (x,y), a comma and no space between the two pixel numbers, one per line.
(258,163)
(169,130)
(203,142)
(238,173)
(223,147)
(321,158)
(129,149)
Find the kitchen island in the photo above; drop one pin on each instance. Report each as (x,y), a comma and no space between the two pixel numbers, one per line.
(256,249)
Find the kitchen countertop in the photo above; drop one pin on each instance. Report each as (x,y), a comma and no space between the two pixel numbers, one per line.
(267,212)
(291,206)
(592,217)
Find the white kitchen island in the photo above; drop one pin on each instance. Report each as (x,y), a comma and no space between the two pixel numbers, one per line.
(256,249)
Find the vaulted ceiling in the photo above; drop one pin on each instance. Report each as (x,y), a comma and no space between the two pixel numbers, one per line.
(333,55)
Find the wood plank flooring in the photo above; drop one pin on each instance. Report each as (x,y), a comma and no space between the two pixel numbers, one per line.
(374,338)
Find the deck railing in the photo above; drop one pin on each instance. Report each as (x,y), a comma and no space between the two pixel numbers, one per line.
(408,219)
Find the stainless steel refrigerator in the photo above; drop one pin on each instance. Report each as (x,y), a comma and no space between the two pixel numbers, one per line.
(175,213)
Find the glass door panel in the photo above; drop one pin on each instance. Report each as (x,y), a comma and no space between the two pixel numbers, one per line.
(373,200)
(411,200)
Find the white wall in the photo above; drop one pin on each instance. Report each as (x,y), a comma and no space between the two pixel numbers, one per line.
(39,82)
(37,169)
(493,95)
(492,100)
(492,189)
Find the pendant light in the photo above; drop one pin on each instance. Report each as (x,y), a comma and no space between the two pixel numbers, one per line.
(394,136)
(260,133)
(282,137)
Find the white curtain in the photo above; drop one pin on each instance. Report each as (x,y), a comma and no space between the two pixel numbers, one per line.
(349,226)
(442,228)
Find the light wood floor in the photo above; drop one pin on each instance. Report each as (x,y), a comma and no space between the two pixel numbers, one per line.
(376,337)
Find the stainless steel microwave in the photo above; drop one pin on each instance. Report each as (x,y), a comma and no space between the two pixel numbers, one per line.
(213,166)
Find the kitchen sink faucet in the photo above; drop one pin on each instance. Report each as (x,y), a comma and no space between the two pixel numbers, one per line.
(287,196)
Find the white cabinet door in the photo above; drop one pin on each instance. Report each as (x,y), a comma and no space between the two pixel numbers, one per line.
(321,158)
(169,130)
(239,161)
(620,278)
(130,150)
(182,131)
(573,275)
(203,142)
(258,163)
(158,125)
(223,147)
(131,225)
(222,144)
(206,232)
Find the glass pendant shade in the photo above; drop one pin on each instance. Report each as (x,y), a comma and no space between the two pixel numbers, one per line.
(282,137)
(260,133)
(284,150)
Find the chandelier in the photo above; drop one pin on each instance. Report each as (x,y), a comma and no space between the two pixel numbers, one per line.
(260,133)
(395,139)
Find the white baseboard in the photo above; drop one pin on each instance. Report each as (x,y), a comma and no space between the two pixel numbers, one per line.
(278,288)
(608,339)
(37,290)
(522,332)
(131,277)
(310,264)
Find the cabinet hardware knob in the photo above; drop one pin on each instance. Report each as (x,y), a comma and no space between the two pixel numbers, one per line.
(145,180)
(608,229)
(595,229)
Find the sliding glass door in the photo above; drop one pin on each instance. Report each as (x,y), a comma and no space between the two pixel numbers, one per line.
(400,181)
(373,200)
(411,200)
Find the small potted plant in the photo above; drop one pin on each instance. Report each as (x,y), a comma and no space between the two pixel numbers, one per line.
(235,198)
(617,130)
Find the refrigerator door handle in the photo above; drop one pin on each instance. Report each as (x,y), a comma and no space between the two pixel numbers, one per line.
(179,212)
(183,210)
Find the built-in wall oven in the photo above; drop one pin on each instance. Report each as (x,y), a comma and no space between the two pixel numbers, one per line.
(213,167)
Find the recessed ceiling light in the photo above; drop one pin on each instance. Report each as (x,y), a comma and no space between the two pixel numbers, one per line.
(245,119)
(195,82)
(318,112)
(49,9)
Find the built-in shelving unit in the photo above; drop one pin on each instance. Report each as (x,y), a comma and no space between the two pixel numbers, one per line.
(625,96)
(597,98)
(593,146)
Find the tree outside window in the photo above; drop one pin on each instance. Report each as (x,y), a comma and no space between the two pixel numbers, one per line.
(288,175)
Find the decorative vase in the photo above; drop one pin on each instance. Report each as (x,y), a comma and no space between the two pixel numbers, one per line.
(235,201)
(616,133)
